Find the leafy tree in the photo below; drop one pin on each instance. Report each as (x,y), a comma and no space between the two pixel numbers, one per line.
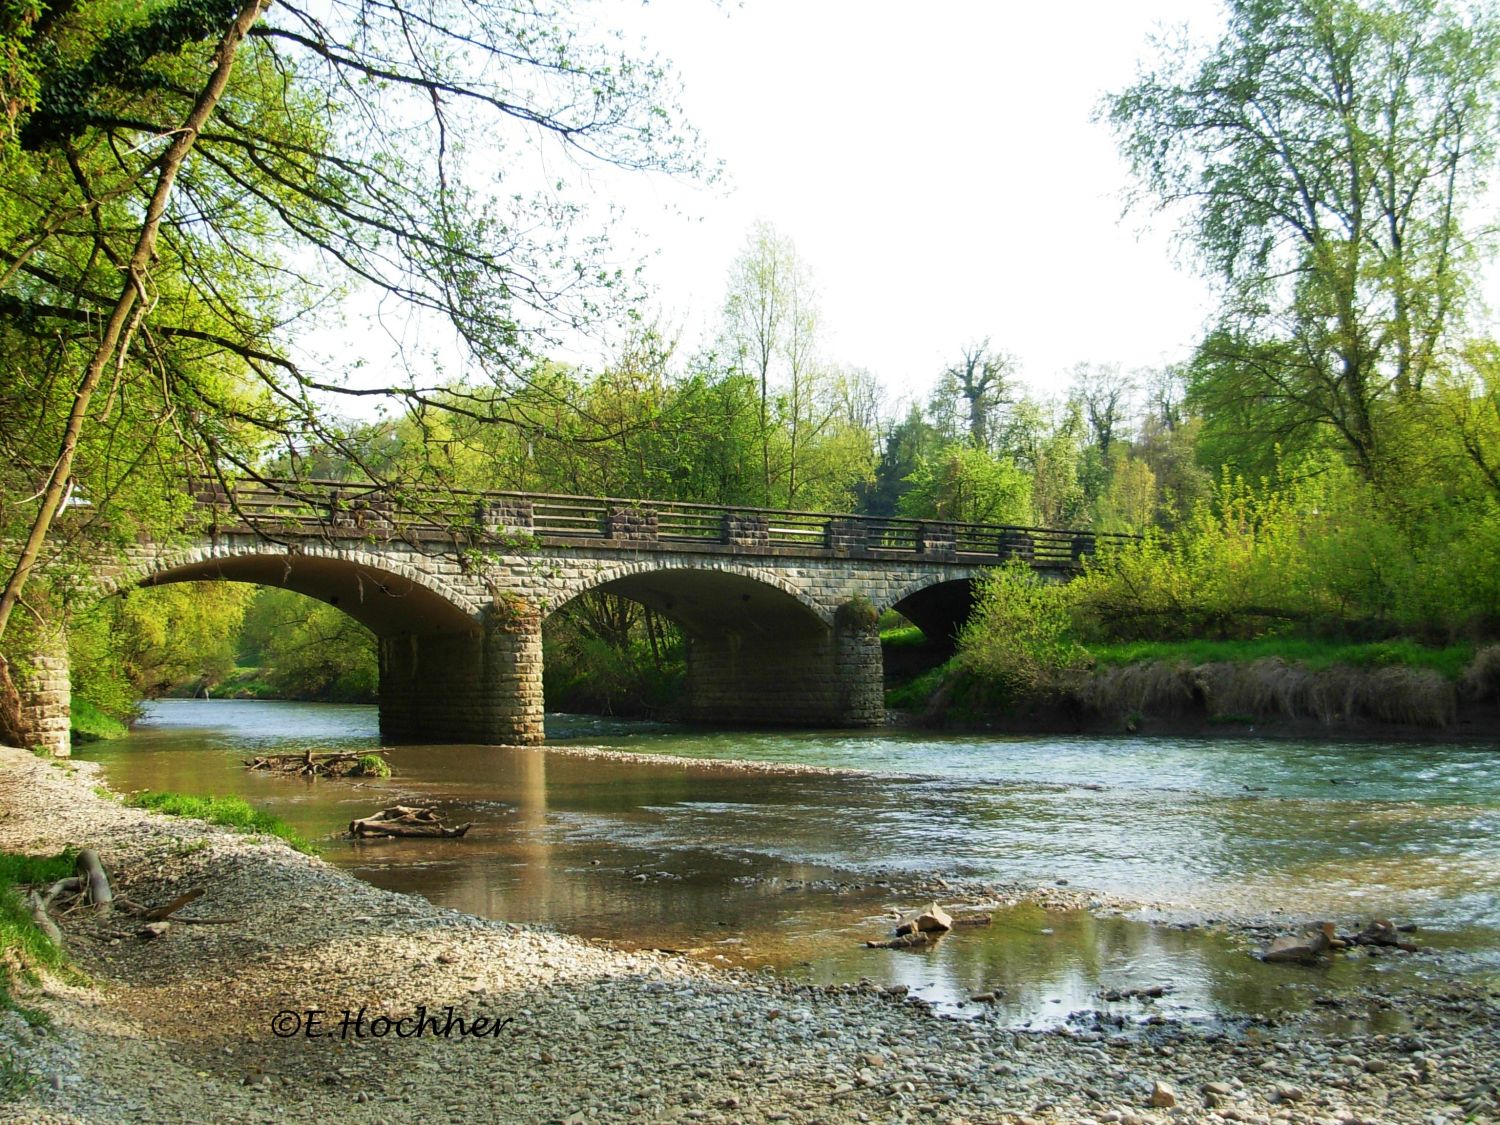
(148,641)
(970,393)
(908,443)
(1021,637)
(1323,156)
(770,333)
(307,649)
(199,177)
(965,484)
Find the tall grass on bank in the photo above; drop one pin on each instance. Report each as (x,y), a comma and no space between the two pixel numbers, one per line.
(1450,661)
(90,724)
(24,949)
(231,812)
(1270,688)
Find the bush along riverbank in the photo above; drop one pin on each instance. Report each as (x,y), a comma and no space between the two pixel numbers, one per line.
(1178,694)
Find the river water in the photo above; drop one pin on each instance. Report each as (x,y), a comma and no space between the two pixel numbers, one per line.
(796,871)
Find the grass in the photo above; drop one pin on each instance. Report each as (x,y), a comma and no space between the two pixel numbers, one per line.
(243,683)
(914,694)
(373,765)
(1449,662)
(903,636)
(93,725)
(24,949)
(231,812)
(21,943)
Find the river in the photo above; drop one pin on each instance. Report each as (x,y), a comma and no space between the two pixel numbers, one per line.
(794,872)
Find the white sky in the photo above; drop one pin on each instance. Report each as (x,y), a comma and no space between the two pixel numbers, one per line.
(937,169)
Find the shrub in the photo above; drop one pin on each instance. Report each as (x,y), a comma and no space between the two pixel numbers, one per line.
(1020,638)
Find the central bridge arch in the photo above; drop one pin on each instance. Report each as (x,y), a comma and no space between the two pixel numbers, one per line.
(759,651)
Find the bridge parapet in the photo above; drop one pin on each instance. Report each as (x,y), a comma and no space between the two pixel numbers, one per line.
(341,509)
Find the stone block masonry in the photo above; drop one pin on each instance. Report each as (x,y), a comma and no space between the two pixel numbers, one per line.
(460,630)
(42,681)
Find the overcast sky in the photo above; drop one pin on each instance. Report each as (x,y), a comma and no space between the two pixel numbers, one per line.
(936,167)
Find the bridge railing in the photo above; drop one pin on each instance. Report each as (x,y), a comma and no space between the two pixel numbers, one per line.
(342,508)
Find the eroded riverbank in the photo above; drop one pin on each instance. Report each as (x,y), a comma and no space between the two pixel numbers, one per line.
(181,1028)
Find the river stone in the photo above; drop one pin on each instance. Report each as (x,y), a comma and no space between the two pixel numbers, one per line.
(1297,947)
(932,920)
(1163,1096)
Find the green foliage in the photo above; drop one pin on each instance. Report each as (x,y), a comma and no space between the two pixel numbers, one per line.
(915,694)
(24,949)
(307,649)
(146,642)
(966,484)
(231,812)
(1324,155)
(89,724)
(1021,636)
(1314,551)
(373,765)
(857,614)
(1316,654)
(608,655)
(903,636)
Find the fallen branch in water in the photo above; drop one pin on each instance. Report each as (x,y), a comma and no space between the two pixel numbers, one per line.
(339,763)
(403,820)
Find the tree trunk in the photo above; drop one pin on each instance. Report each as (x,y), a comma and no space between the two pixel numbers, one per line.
(115,340)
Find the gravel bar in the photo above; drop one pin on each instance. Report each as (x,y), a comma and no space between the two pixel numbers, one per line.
(425,1014)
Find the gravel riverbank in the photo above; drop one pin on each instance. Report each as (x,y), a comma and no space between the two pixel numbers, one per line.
(184,1027)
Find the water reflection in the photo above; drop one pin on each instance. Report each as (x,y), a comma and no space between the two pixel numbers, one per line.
(688,856)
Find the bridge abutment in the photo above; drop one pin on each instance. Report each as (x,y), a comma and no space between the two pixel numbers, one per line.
(40,676)
(482,686)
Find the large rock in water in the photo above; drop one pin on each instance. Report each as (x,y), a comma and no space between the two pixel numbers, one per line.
(1298,947)
(932,920)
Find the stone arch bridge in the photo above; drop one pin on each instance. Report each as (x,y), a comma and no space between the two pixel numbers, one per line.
(779,607)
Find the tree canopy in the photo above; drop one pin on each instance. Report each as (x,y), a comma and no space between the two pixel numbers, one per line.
(188,186)
(1323,157)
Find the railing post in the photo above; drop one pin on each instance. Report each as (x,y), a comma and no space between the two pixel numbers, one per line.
(937,540)
(1017,545)
(745,529)
(847,538)
(1084,545)
(505,516)
(634,525)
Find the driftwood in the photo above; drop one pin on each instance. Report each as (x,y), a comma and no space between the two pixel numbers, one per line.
(43,920)
(340,763)
(152,915)
(92,871)
(907,941)
(403,820)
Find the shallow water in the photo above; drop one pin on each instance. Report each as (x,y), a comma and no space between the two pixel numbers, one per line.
(785,870)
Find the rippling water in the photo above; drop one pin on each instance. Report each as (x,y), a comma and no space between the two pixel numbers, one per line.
(740,865)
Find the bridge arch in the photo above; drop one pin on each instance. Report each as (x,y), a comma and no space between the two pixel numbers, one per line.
(700,596)
(938,604)
(760,650)
(386,594)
